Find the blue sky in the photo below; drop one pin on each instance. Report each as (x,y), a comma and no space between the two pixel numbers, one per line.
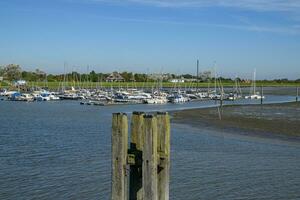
(153,36)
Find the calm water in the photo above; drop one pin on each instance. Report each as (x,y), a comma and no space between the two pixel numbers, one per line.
(61,150)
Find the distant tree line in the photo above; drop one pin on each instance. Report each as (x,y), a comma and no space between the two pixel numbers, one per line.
(13,72)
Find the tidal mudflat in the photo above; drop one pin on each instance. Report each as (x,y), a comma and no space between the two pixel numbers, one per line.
(282,119)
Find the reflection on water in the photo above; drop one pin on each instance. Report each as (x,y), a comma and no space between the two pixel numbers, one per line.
(61,150)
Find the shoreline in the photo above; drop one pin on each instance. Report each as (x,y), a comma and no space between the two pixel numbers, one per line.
(270,120)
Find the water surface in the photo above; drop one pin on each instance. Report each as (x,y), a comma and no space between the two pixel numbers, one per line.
(61,150)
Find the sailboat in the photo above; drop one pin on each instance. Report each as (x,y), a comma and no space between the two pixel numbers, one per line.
(253,93)
(237,91)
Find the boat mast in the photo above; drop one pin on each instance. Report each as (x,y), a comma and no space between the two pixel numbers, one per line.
(64,83)
(215,77)
(297,93)
(197,75)
(236,85)
(254,83)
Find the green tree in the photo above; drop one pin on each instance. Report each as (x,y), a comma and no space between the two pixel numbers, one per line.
(1,70)
(93,76)
(189,76)
(102,76)
(41,75)
(51,78)
(12,72)
(128,76)
(141,77)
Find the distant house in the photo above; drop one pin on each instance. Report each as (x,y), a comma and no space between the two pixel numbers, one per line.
(177,80)
(159,76)
(115,77)
(247,81)
(1,78)
(19,83)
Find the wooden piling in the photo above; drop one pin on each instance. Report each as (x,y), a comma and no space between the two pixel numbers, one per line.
(137,129)
(163,149)
(119,156)
(136,148)
(150,158)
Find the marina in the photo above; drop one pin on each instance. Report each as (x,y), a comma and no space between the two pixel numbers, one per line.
(149,100)
(112,96)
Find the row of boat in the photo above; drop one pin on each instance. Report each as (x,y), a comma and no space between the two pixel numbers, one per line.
(129,96)
(41,95)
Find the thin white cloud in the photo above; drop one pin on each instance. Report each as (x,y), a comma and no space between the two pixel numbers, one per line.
(289,6)
(291,30)
(257,5)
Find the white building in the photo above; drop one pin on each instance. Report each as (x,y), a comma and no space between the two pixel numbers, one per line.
(177,80)
(20,83)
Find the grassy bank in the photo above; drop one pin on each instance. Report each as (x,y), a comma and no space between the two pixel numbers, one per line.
(280,119)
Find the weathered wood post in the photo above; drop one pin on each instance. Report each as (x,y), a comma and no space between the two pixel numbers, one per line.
(163,149)
(119,156)
(136,148)
(150,158)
